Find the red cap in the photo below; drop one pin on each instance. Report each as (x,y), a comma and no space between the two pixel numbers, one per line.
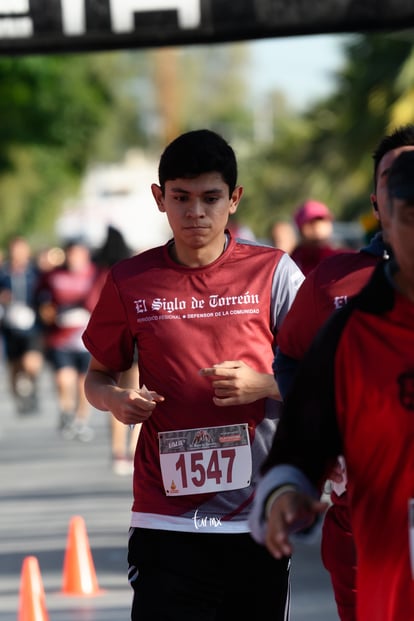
(311,210)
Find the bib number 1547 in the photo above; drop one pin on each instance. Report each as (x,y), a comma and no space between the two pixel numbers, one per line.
(195,461)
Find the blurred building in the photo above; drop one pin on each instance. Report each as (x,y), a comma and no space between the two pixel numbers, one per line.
(118,194)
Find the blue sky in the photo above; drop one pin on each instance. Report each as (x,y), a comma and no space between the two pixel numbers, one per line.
(300,66)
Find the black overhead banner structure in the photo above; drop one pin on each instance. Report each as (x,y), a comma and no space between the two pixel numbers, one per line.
(41,26)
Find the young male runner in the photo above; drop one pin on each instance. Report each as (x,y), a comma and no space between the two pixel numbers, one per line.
(204,311)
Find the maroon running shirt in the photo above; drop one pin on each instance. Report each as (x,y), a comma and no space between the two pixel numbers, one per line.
(185,319)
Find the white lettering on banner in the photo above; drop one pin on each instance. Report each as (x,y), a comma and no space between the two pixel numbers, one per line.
(15,26)
(58,25)
(122,13)
(73,14)
(73,17)
(14,6)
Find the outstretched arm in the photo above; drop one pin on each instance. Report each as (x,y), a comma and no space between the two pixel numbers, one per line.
(290,512)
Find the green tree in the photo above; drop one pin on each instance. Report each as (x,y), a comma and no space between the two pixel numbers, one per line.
(52,109)
(326,152)
(60,113)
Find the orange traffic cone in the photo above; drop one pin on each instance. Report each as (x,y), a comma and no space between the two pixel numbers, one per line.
(79,576)
(32,603)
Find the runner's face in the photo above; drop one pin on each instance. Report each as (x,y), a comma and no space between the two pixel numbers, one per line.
(197,209)
(399,229)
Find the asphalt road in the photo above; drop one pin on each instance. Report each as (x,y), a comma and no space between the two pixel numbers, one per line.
(46,481)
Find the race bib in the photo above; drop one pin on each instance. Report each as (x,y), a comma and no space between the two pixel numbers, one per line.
(201,460)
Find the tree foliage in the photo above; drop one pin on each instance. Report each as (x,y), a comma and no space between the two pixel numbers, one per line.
(60,113)
(56,101)
(326,152)
(52,112)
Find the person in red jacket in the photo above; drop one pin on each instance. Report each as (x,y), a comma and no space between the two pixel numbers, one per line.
(353,395)
(327,288)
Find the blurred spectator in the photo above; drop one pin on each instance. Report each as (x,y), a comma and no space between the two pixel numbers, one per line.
(284,236)
(314,221)
(123,439)
(65,296)
(20,329)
